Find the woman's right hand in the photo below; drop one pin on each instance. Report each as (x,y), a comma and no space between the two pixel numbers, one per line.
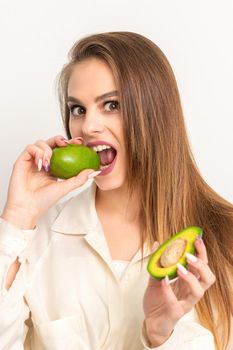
(32,190)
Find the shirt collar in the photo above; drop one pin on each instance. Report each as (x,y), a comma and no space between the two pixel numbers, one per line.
(78,215)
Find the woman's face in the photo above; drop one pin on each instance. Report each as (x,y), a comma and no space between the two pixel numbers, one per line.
(96,118)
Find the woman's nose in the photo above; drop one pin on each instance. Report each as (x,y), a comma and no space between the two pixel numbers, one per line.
(92,123)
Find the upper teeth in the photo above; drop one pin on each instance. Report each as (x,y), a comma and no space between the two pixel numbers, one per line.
(100,148)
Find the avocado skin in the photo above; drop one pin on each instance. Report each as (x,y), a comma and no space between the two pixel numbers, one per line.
(189,234)
(70,160)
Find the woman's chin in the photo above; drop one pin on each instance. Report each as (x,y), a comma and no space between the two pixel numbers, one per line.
(105,184)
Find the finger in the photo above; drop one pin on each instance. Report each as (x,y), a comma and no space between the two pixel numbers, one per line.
(32,152)
(153,282)
(207,278)
(76,140)
(58,140)
(167,290)
(155,246)
(162,289)
(196,291)
(75,181)
(201,250)
(47,153)
(193,271)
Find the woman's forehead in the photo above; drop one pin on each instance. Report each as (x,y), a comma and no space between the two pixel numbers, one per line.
(93,76)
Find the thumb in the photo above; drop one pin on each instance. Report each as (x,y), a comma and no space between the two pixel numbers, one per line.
(78,180)
(155,246)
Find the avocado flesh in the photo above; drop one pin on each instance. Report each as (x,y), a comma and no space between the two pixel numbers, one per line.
(154,266)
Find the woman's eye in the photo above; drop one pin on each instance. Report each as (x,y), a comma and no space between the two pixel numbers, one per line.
(76,110)
(111,105)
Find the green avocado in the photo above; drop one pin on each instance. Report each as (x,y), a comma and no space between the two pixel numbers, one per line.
(69,160)
(163,261)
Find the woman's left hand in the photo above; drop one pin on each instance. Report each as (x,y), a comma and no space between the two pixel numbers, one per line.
(164,303)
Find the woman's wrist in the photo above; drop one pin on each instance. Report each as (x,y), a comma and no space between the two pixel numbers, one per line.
(20,218)
(153,337)
(157,340)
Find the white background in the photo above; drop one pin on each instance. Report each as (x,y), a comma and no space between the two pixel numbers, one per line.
(195,35)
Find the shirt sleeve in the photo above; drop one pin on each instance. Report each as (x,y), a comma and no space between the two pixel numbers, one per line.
(187,335)
(13,308)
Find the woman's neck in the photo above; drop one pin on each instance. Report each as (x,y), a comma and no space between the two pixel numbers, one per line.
(120,220)
(118,204)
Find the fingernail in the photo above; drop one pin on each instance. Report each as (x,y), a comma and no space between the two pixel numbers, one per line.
(47,166)
(155,246)
(64,139)
(191,257)
(95,173)
(79,138)
(166,280)
(39,164)
(199,239)
(182,269)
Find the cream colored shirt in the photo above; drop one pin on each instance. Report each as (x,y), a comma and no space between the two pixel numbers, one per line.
(68,293)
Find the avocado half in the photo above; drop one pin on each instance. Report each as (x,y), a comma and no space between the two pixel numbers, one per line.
(164,260)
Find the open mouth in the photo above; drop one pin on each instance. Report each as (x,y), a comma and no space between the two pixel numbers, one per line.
(107,157)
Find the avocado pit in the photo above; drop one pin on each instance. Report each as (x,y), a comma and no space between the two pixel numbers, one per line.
(173,253)
(163,261)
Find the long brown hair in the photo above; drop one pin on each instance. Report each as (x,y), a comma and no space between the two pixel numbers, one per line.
(173,193)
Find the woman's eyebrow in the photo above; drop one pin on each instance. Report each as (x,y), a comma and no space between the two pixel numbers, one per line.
(97,99)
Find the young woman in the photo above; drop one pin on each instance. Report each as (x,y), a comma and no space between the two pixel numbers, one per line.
(73,274)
